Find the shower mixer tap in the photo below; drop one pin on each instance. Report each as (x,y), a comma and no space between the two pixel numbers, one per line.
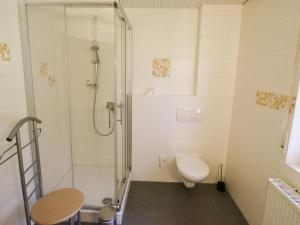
(111,108)
(91,84)
(94,61)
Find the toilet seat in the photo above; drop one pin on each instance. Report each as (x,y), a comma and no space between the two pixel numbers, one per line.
(192,168)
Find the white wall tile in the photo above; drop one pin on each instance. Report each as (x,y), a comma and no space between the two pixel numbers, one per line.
(12,109)
(182,67)
(203,67)
(226,25)
(205,45)
(164,33)
(155,129)
(269,33)
(225,47)
(183,48)
(223,67)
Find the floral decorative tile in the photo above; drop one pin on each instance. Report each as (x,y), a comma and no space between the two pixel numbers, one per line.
(51,80)
(161,67)
(4,52)
(272,100)
(44,69)
(293,105)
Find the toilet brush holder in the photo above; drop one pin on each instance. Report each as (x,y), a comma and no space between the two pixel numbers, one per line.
(221,184)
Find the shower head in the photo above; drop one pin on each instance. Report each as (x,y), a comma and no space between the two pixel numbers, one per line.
(95,48)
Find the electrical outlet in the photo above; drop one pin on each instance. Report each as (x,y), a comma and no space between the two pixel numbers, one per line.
(163,161)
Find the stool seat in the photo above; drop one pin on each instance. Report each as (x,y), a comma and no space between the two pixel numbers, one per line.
(57,206)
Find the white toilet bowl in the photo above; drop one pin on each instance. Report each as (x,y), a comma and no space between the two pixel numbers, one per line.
(192,169)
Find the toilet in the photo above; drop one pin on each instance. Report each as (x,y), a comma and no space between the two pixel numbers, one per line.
(192,169)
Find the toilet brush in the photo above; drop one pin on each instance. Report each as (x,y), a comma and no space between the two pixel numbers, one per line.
(221,183)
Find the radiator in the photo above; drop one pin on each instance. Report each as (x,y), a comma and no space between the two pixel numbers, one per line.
(283,204)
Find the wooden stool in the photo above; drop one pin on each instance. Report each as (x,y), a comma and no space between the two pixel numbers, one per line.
(57,206)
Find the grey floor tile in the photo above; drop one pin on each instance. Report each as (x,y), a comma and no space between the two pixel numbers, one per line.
(177,206)
(160,189)
(205,207)
(226,207)
(222,221)
(153,203)
(181,220)
(144,205)
(189,207)
(241,221)
(195,220)
(134,190)
(143,219)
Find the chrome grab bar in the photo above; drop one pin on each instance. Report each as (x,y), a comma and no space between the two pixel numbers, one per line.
(120,106)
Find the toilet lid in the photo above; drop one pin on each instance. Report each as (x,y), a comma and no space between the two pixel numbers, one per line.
(192,168)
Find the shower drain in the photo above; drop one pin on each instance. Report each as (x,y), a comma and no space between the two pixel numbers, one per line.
(107,201)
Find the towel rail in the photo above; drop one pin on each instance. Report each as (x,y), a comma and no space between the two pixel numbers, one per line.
(2,161)
(5,160)
(31,165)
(17,127)
(31,179)
(35,164)
(34,190)
(5,152)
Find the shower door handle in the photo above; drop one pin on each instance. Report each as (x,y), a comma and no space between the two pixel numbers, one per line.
(120,106)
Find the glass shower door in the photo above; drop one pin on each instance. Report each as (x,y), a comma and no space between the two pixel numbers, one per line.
(49,87)
(91,48)
(122,106)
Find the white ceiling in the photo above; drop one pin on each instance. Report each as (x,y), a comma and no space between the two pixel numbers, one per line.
(174,3)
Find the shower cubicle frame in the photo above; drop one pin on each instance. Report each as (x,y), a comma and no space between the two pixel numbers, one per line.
(25,41)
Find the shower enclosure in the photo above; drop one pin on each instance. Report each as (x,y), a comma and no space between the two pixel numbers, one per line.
(80,58)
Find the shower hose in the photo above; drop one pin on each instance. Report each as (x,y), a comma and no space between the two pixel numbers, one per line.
(94,108)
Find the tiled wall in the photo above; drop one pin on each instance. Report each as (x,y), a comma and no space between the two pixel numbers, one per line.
(155,129)
(269,35)
(167,35)
(218,49)
(12,108)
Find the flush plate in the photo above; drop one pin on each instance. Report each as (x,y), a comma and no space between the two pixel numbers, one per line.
(189,115)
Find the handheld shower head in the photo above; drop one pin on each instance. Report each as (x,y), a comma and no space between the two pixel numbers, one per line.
(95,48)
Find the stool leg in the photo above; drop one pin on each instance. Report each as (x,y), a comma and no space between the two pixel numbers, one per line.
(78,218)
(70,221)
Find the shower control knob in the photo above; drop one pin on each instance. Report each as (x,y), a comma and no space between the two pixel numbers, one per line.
(110,106)
(91,84)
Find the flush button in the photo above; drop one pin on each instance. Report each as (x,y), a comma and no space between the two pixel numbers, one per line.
(189,114)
